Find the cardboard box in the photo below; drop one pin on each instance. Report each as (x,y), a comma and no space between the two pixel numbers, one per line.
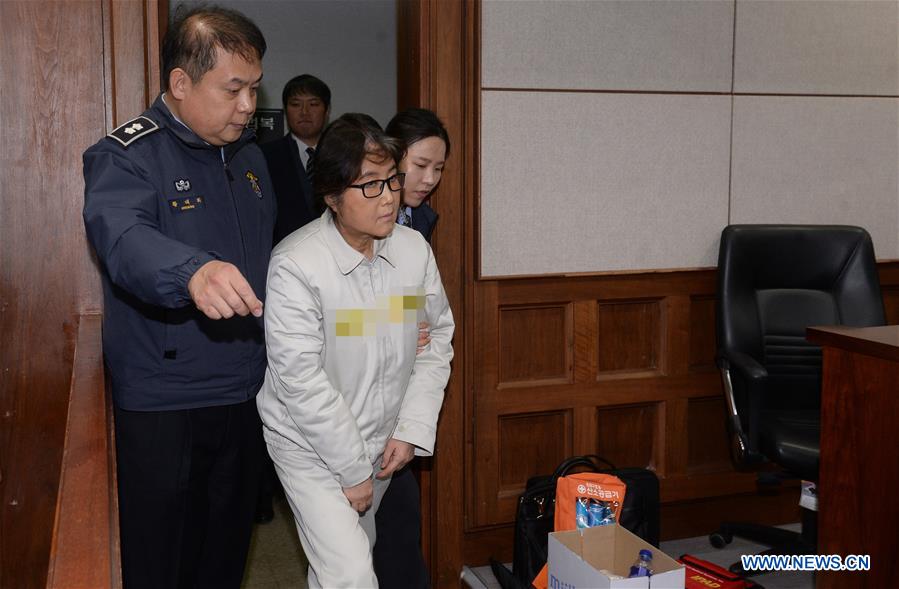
(577,557)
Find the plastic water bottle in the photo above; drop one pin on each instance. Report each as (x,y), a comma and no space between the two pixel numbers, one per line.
(642,567)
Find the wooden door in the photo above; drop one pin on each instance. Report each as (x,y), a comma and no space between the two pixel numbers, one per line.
(68,72)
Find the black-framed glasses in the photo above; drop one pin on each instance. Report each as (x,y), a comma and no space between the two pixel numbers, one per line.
(374,188)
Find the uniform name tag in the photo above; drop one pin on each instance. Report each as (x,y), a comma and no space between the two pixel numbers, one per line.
(190,203)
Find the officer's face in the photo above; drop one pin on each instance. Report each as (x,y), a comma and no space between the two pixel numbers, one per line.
(306,116)
(220,104)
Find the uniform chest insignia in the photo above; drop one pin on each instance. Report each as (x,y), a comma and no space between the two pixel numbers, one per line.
(190,203)
(254,183)
(182,185)
(132,130)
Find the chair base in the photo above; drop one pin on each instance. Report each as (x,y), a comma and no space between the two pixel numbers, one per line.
(780,541)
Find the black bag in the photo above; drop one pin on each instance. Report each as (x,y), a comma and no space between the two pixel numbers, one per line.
(535,516)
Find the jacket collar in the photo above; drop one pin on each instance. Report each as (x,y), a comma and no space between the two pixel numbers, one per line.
(348,258)
(162,116)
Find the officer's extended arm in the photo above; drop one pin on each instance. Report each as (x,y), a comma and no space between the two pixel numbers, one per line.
(120,208)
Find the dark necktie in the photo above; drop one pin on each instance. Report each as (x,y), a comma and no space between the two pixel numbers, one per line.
(310,152)
(405,217)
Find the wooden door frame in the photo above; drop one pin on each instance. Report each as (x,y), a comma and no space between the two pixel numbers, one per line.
(437,69)
(132,56)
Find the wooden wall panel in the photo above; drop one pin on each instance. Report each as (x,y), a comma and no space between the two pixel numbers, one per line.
(534,343)
(707,441)
(627,331)
(702,333)
(663,410)
(891,305)
(629,336)
(628,435)
(51,109)
(57,98)
(530,445)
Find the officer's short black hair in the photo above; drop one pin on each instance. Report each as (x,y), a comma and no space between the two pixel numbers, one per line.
(414,124)
(306,84)
(343,146)
(191,41)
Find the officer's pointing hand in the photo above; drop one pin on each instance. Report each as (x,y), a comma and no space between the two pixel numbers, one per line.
(220,291)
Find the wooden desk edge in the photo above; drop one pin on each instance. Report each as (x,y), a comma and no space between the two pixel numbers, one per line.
(881,342)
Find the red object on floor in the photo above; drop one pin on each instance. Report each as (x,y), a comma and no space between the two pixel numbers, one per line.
(702,574)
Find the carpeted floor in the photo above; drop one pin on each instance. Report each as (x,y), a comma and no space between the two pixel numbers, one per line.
(276,559)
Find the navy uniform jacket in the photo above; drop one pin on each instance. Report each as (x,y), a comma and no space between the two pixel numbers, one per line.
(293,190)
(159,203)
(423,220)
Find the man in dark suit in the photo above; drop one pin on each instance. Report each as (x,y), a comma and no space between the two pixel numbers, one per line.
(307,104)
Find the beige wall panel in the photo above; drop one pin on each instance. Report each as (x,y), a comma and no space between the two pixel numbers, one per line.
(818,160)
(607,45)
(585,182)
(817,47)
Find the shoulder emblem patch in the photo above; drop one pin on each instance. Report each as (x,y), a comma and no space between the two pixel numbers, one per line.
(132,130)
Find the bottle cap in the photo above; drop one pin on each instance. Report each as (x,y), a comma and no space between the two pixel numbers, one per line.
(646,554)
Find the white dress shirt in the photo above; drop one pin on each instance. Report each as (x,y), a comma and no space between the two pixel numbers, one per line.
(304,155)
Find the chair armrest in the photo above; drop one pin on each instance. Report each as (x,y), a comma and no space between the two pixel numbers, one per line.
(745,365)
(753,375)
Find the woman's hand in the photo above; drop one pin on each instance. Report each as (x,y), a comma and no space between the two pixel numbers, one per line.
(424,337)
(360,496)
(397,454)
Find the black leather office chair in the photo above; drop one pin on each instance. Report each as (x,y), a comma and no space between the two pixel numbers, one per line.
(773,282)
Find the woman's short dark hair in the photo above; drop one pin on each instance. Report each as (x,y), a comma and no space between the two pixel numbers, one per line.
(415,124)
(306,84)
(343,146)
(191,41)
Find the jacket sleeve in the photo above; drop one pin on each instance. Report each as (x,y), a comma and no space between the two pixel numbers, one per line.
(294,340)
(417,423)
(121,218)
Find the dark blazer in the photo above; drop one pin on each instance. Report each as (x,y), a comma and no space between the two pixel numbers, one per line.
(423,220)
(293,189)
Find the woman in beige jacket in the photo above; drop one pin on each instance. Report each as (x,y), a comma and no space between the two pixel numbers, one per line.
(346,400)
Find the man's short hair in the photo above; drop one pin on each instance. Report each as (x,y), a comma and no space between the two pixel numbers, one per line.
(193,38)
(306,84)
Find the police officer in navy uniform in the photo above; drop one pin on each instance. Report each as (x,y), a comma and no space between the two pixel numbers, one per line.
(180,210)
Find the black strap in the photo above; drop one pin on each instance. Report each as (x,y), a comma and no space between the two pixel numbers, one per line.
(592,461)
(504,576)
